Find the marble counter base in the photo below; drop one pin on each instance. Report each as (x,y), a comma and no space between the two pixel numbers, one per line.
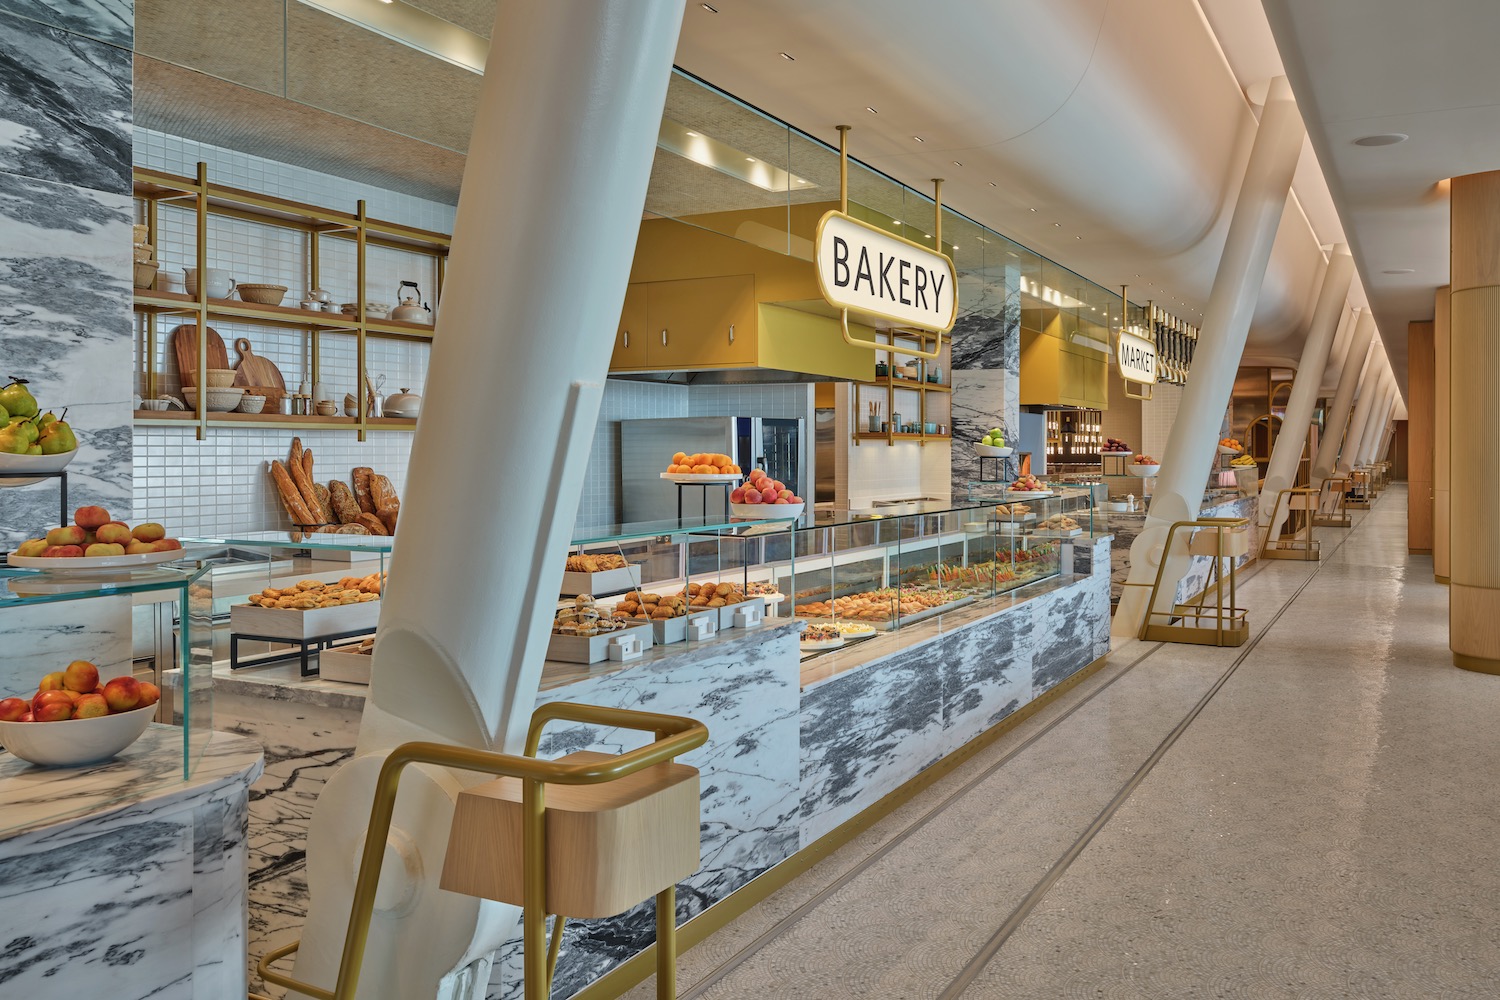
(867,732)
(141,897)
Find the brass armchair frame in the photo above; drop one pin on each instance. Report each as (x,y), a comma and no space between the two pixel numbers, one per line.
(675,735)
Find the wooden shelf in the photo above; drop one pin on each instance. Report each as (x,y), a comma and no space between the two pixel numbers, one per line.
(176,418)
(203,197)
(879,436)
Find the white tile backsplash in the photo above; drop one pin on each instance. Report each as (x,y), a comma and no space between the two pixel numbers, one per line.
(221,485)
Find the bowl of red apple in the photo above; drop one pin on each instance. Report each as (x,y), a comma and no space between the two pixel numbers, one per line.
(74,719)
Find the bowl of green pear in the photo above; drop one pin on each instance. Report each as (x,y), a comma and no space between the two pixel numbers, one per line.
(31,441)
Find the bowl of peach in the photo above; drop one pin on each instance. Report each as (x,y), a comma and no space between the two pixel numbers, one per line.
(95,541)
(703,467)
(764,498)
(73,719)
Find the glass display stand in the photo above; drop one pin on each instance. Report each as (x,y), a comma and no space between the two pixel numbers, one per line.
(174,592)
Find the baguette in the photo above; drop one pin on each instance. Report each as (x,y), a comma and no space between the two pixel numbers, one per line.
(388,515)
(382,492)
(305,487)
(362,475)
(373,523)
(307,462)
(325,504)
(291,497)
(296,458)
(343,502)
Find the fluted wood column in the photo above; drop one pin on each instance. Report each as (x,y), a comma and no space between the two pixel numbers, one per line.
(1474,392)
(1441,539)
(1419,436)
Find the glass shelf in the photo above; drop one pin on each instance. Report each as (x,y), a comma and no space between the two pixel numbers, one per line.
(29,587)
(632,530)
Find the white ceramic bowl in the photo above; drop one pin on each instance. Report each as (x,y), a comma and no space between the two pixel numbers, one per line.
(220,284)
(250,404)
(33,463)
(220,378)
(1142,471)
(1224,450)
(766,511)
(218,400)
(990,451)
(77,741)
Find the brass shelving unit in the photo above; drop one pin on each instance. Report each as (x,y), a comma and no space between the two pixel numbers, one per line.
(892,383)
(155,188)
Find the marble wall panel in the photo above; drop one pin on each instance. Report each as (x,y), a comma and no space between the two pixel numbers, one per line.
(65,309)
(41,639)
(986,365)
(67,108)
(111,21)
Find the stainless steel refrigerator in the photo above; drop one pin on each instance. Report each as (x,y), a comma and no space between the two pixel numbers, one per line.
(778,445)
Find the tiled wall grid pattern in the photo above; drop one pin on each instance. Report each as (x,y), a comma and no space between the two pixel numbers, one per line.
(626,400)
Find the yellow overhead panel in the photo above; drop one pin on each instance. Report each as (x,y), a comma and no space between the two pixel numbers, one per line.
(1055,372)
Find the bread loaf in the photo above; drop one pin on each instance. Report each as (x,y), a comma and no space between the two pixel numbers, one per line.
(388,515)
(382,492)
(342,499)
(373,523)
(291,497)
(325,503)
(304,486)
(362,476)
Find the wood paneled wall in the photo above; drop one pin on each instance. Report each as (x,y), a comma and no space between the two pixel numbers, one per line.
(1419,442)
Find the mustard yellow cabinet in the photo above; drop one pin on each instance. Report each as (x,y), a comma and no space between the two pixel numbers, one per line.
(634,334)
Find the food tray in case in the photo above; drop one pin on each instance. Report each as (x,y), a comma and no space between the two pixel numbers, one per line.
(345,663)
(1069,533)
(609,581)
(595,648)
(289,623)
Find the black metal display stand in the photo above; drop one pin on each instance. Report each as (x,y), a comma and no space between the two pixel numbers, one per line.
(62,506)
(302,649)
(705,487)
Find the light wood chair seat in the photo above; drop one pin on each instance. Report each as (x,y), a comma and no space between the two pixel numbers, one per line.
(609,846)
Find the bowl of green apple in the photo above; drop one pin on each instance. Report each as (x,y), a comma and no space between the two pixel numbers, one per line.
(992,445)
(31,442)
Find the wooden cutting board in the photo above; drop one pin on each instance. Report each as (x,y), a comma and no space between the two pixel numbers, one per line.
(252,369)
(185,345)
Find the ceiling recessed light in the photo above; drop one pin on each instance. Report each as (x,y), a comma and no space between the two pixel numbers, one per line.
(749,159)
(1400,270)
(1033,210)
(993,184)
(919,138)
(788,57)
(709,7)
(694,134)
(957,164)
(1078,237)
(1057,225)
(872,111)
(1382,139)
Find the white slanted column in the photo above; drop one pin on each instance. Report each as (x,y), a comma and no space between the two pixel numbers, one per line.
(1382,419)
(1337,417)
(1286,456)
(558,165)
(1190,451)
(1359,423)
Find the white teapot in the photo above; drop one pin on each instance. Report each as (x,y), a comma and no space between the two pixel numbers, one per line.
(411,308)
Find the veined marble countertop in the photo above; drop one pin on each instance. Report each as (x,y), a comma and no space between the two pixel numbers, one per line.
(35,798)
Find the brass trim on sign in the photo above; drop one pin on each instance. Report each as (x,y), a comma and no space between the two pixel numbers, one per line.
(843,213)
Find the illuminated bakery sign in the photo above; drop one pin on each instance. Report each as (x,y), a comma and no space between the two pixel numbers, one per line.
(1137,358)
(867,270)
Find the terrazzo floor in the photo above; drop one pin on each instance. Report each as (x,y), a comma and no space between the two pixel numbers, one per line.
(1308,816)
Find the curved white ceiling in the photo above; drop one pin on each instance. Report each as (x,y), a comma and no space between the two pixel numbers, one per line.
(1121,121)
